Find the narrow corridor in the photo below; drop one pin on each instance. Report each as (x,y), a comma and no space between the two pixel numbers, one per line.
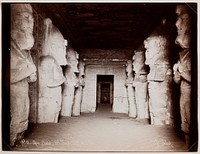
(101,131)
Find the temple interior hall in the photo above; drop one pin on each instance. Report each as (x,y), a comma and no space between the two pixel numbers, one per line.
(99,77)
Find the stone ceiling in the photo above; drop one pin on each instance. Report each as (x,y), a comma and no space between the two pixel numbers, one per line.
(106,25)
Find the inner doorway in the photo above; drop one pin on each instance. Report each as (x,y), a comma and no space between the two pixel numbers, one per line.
(105,93)
(105,90)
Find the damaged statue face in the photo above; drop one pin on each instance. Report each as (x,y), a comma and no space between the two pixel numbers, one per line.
(54,43)
(183,27)
(72,59)
(129,67)
(22,25)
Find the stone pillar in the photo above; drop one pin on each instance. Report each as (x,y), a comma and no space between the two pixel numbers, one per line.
(130,91)
(71,81)
(50,73)
(182,69)
(160,77)
(22,68)
(50,94)
(140,83)
(79,90)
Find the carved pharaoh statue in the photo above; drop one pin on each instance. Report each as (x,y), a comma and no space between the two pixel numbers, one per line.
(50,73)
(50,91)
(22,67)
(79,90)
(182,69)
(140,83)
(71,81)
(160,76)
(130,90)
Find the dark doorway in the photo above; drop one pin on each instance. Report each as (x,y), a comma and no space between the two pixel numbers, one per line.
(105,90)
(105,93)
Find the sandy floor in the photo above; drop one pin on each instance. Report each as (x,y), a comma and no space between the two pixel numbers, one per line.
(101,131)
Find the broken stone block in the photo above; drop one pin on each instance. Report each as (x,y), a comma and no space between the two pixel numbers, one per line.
(79,90)
(50,94)
(71,81)
(54,43)
(22,68)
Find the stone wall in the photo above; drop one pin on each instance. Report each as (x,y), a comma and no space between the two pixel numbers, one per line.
(120,102)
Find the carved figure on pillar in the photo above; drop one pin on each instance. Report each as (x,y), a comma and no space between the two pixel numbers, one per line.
(79,90)
(130,91)
(182,69)
(140,83)
(71,81)
(50,73)
(22,67)
(50,92)
(160,77)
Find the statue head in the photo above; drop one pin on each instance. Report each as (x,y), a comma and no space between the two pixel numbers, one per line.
(183,25)
(81,67)
(72,59)
(157,44)
(54,43)
(71,78)
(22,23)
(138,62)
(129,70)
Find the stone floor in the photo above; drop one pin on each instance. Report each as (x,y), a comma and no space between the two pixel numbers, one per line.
(101,131)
